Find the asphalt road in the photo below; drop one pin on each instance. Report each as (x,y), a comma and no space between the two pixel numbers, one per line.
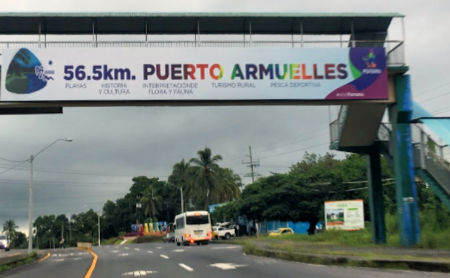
(169,260)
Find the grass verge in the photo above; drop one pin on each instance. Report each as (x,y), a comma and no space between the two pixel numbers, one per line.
(25,260)
(293,252)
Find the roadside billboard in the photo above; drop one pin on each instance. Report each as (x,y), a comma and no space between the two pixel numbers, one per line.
(344,215)
(193,74)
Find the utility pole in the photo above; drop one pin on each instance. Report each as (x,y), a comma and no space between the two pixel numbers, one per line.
(252,164)
(70,230)
(98,215)
(182,201)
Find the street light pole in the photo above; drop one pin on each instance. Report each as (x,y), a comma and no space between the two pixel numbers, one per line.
(30,208)
(30,192)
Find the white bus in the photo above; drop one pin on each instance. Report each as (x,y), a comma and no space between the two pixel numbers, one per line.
(193,227)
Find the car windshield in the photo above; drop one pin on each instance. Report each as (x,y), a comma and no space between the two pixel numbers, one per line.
(197,220)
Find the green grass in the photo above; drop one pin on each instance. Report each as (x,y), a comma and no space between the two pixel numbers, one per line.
(111,241)
(26,260)
(349,238)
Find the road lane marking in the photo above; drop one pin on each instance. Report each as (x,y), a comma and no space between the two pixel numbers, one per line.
(159,247)
(164,256)
(59,260)
(44,258)
(150,252)
(137,249)
(178,250)
(190,269)
(139,273)
(94,262)
(123,241)
(227,266)
(123,254)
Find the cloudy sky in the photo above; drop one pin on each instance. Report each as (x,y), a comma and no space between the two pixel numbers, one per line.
(111,145)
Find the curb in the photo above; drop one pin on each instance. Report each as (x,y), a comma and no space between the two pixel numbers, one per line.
(349,261)
(11,262)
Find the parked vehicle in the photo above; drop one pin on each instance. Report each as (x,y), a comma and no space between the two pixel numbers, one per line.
(282,231)
(193,227)
(224,231)
(170,236)
(4,243)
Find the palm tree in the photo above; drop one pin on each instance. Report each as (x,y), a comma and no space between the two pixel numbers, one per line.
(206,173)
(9,227)
(180,178)
(150,202)
(228,187)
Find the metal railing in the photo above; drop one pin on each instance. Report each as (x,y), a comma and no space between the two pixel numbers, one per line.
(428,154)
(336,125)
(394,48)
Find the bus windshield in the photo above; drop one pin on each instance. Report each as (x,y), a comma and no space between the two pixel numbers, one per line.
(197,220)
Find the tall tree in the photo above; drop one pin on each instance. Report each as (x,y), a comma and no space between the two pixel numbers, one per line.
(181,179)
(9,227)
(206,172)
(228,187)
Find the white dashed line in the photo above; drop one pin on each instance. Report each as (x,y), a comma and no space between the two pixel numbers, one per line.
(137,249)
(178,250)
(159,247)
(150,252)
(164,256)
(190,269)
(139,273)
(227,266)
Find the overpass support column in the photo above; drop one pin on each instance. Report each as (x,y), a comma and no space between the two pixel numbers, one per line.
(376,202)
(405,187)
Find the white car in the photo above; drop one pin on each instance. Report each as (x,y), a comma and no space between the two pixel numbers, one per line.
(4,243)
(224,231)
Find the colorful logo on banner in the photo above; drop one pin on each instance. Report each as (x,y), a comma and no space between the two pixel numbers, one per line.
(368,68)
(26,74)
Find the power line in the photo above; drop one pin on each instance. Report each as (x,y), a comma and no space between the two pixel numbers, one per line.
(12,167)
(434,97)
(433,89)
(294,143)
(77,173)
(296,150)
(13,161)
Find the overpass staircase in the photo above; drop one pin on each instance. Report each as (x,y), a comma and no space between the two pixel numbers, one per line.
(430,161)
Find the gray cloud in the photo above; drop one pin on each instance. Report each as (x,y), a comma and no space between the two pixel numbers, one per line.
(111,145)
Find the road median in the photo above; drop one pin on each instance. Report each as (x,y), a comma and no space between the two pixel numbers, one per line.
(15,260)
(331,254)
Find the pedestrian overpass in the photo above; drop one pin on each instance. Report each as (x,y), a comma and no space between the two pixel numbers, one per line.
(356,129)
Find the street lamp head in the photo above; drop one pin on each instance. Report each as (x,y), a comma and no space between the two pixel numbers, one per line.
(67,139)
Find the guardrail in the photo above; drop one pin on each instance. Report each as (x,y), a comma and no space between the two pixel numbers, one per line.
(336,126)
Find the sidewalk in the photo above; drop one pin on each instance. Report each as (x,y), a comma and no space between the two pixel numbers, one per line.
(320,253)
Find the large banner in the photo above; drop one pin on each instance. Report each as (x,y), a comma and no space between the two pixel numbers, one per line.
(344,215)
(193,74)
